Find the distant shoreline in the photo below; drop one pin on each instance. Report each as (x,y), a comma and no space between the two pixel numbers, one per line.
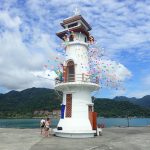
(106,122)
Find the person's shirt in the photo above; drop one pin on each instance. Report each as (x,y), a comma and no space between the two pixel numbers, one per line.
(47,124)
(42,122)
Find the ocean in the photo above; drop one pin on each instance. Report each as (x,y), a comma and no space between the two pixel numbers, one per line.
(108,122)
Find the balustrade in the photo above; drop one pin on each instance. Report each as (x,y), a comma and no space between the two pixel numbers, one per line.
(78,78)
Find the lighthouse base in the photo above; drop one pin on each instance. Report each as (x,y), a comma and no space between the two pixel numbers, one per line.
(75,134)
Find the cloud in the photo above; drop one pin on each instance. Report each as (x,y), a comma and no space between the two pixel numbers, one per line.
(117,70)
(46,74)
(18,61)
(120,25)
(8,21)
(111,73)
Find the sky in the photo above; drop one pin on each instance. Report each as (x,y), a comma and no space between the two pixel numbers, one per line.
(28,40)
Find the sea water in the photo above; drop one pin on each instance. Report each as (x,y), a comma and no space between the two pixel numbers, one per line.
(108,122)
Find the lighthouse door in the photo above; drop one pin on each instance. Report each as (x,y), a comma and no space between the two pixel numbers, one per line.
(70,71)
(92,117)
(68,105)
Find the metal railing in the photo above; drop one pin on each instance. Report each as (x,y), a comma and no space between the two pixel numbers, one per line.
(78,78)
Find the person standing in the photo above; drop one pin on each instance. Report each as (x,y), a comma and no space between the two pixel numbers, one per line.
(99,129)
(42,125)
(47,126)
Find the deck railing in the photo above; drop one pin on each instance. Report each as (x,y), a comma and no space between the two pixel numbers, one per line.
(78,78)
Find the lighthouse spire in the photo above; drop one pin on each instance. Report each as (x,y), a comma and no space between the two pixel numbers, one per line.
(76,11)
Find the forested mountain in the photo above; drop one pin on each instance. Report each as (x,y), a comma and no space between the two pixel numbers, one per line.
(144,101)
(111,108)
(26,102)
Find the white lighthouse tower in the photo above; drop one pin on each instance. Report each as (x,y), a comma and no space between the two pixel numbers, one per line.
(78,119)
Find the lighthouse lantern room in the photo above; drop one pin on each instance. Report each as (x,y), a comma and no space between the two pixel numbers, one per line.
(78,119)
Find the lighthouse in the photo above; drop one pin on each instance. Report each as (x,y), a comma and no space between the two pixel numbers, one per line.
(78,119)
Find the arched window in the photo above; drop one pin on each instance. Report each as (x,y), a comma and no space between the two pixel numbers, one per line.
(71,38)
(85,40)
(70,71)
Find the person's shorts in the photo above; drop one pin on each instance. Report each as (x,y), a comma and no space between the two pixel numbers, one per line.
(42,126)
(46,129)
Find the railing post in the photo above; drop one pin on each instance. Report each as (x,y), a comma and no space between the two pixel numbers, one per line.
(65,74)
(82,77)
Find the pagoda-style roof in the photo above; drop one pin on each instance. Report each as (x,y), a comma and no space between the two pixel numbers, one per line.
(75,18)
(79,28)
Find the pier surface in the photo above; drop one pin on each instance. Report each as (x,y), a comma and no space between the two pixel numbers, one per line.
(132,138)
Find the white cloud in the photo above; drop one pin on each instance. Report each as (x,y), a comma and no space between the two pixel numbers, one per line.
(120,26)
(45,74)
(10,22)
(18,62)
(116,70)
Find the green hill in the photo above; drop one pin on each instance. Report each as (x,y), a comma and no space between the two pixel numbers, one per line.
(22,104)
(143,102)
(111,108)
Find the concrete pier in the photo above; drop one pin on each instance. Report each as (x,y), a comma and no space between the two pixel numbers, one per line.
(133,138)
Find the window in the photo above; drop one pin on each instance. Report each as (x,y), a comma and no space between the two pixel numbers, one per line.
(85,39)
(71,38)
(90,108)
(73,25)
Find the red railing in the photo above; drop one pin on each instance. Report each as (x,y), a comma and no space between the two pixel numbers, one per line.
(78,78)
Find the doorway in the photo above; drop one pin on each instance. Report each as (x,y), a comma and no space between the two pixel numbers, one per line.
(68,105)
(92,117)
(70,71)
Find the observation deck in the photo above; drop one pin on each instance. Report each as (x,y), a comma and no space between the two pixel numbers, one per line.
(78,80)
